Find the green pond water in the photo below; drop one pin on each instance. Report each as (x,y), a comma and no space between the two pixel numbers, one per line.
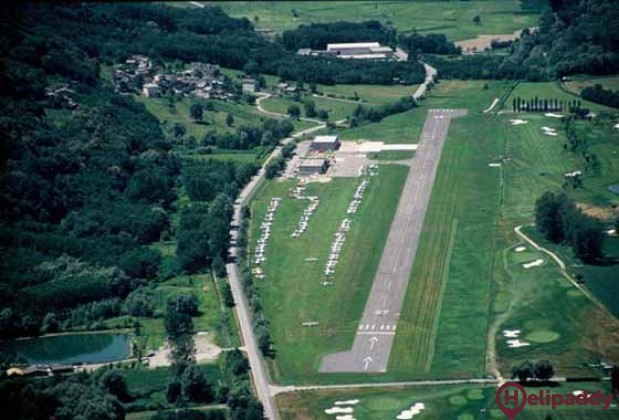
(69,349)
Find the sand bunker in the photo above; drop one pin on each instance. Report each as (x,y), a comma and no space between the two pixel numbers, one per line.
(533,264)
(347,402)
(410,413)
(550,133)
(549,129)
(345,417)
(511,333)
(338,410)
(517,122)
(578,392)
(553,115)
(517,343)
(616,125)
(494,165)
(520,249)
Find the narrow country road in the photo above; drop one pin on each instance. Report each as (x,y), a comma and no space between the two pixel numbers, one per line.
(430,73)
(259,370)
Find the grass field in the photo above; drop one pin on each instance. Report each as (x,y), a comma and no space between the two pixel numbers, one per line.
(451,277)
(149,385)
(369,94)
(406,127)
(579,332)
(244,114)
(392,155)
(453,18)
(291,291)
(578,82)
(338,110)
(445,402)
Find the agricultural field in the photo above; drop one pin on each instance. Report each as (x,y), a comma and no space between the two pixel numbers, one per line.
(292,292)
(453,19)
(461,402)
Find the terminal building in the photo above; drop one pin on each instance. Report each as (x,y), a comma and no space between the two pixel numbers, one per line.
(325,144)
(354,50)
(309,167)
(360,50)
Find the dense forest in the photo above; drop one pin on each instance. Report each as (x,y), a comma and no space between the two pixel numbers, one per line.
(598,94)
(112,32)
(429,44)
(560,221)
(88,183)
(574,36)
(316,36)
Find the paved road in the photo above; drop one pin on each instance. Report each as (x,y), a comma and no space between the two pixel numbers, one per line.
(258,368)
(377,328)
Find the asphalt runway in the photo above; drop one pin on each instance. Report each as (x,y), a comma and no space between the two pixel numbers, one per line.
(377,328)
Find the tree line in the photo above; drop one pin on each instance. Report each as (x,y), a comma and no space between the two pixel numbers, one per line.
(560,221)
(599,95)
(317,35)
(428,44)
(537,104)
(572,37)
(268,135)
(363,114)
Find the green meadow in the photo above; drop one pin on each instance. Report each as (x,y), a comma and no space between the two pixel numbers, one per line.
(292,292)
(454,18)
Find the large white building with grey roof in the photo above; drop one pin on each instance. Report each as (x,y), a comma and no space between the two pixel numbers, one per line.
(325,143)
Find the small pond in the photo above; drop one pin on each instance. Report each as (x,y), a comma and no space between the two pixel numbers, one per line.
(71,348)
(614,188)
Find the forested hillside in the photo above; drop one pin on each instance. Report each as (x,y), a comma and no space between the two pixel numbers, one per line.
(574,36)
(89,178)
(115,31)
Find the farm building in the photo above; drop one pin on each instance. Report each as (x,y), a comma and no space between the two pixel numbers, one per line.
(309,167)
(250,85)
(325,143)
(360,50)
(151,90)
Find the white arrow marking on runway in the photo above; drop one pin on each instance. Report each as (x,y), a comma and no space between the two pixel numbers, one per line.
(367,361)
(373,342)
